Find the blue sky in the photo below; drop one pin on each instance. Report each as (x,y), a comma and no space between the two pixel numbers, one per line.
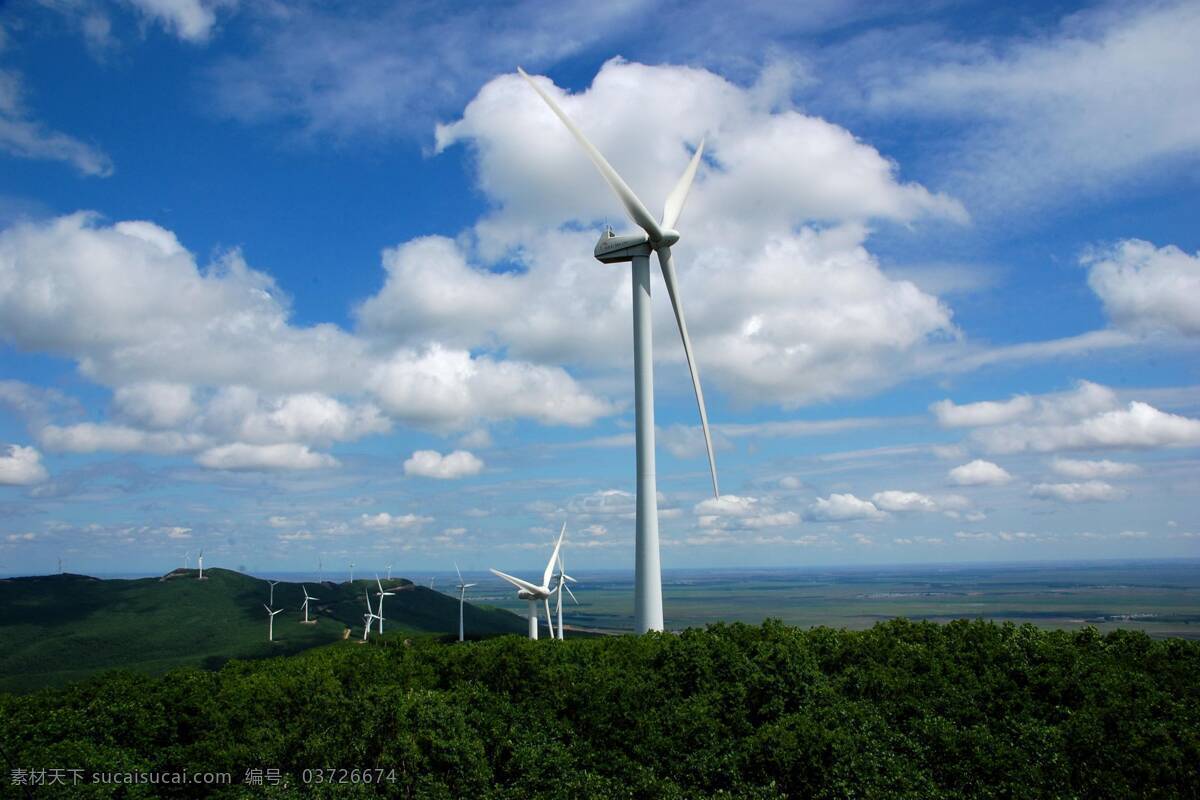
(290,282)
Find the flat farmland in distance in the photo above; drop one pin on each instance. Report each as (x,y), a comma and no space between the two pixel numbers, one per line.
(1160,598)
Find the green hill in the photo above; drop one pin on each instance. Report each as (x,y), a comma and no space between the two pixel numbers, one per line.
(60,628)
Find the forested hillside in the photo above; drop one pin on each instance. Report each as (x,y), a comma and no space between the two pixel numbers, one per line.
(60,628)
(917,710)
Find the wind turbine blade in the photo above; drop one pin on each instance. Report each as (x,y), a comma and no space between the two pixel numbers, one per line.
(678,195)
(554,556)
(637,211)
(568,588)
(459,573)
(267,607)
(549,622)
(517,582)
(668,271)
(377,583)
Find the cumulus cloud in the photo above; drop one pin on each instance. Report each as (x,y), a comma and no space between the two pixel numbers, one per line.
(90,437)
(21,466)
(242,456)
(979,473)
(432,464)
(843,507)
(987,412)
(758,279)
(384,520)
(204,357)
(733,512)
(1087,417)
(895,500)
(1146,288)
(1085,492)
(1075,468)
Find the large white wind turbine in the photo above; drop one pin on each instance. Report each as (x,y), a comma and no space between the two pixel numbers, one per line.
(381,594)
(532,593)
(462,598)
(611,249)
(304,606)
(271,622)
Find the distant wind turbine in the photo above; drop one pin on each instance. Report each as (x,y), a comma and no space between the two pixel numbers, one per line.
(352,572)
(200,560)
(271,622)
(272,584)
(462,598)
(611,249)
(304,606)
(369,616)
(389,570)
(532,593)
(381,594)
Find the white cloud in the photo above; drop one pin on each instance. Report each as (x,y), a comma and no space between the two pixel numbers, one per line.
(190,20)
(843,507)
(432,464)
(987,412)
(89,437)
(1087,417)
(898,500)
(242,456)
(1086,492)
(758,281)
(1074,468)
(130,305)
(177,532)
(23,137)
(384,520)
(979,473)
(1097,104)
(21,466)
(155,405)
(733,512)
(1147,289)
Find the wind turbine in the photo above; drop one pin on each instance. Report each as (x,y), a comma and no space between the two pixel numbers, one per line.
(352,572)
(389,569)
(381,594)
(187,559)
(200,561)
(272,585)
(370,615)
(304,606)
(462,598)
(532,593)
(612,249)
(563,577)
(271,622)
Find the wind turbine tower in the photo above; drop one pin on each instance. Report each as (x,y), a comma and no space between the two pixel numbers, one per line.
(304,606)
(563,577)
(272,584)
(381,594)
(462,598)
(612,249)
(200,561)
(271,622)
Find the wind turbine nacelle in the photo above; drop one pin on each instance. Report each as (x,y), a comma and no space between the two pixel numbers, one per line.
(613,249)
(525,595)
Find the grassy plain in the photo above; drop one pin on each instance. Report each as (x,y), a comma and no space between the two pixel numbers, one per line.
(1160,598)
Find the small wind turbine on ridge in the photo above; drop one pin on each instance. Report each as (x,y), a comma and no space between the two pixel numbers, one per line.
(462,598)
(271,622)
